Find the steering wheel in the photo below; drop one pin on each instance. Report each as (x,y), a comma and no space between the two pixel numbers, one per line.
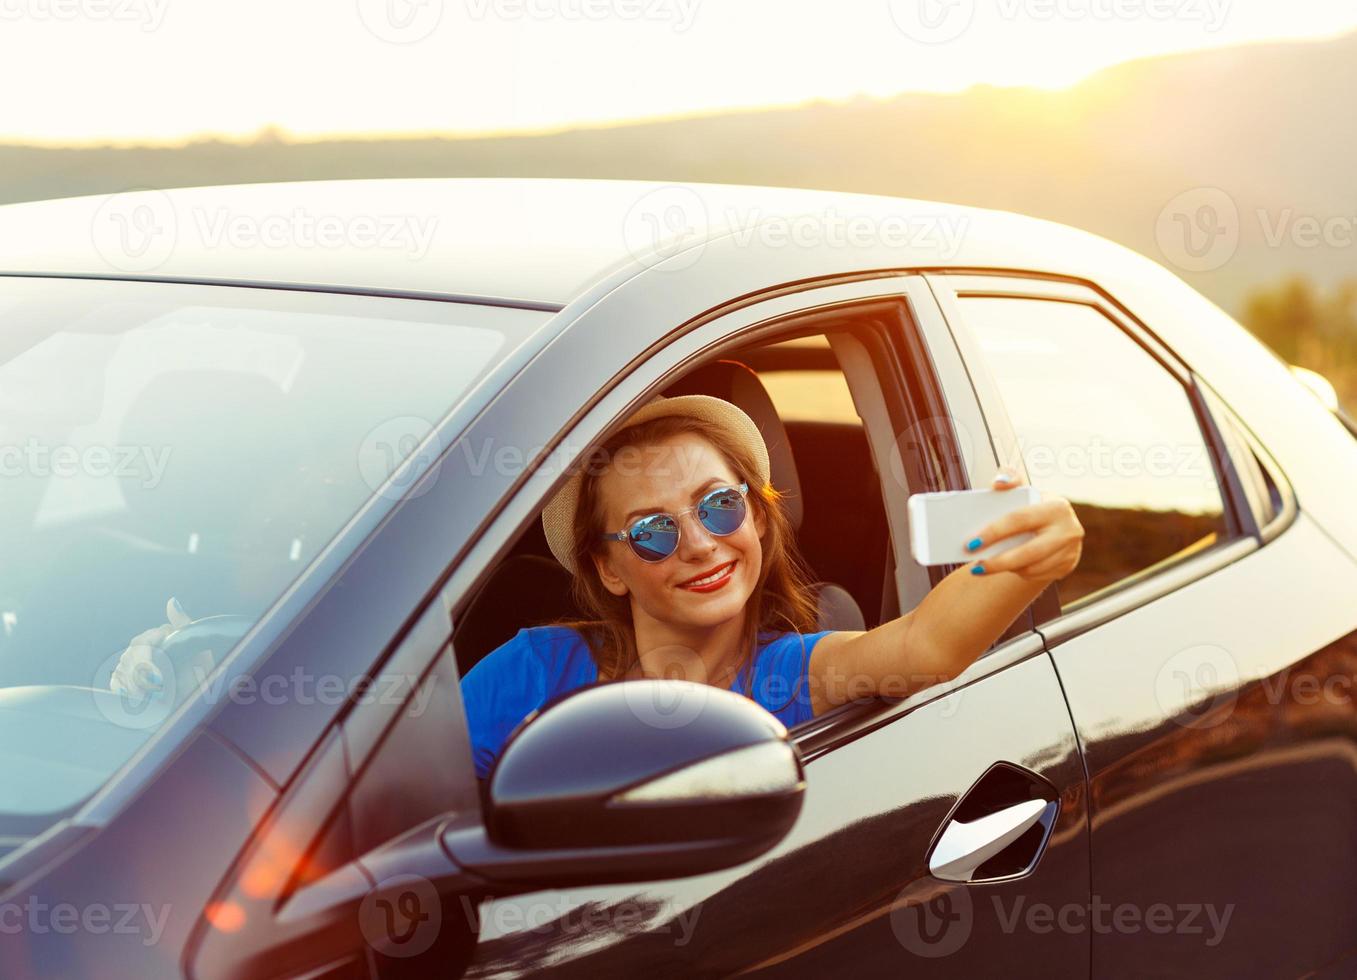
(191,651)
(59,742)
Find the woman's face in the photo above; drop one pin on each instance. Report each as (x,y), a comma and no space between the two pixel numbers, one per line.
(709,578)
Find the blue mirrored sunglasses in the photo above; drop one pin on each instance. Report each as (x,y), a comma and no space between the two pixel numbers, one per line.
(656,536)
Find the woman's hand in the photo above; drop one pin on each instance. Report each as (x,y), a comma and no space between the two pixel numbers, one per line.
(137,675)
(1054,550)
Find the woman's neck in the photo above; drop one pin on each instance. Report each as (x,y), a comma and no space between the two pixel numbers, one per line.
(710,655)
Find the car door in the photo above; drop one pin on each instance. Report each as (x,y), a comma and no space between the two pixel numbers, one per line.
(886,783)
(1202,646)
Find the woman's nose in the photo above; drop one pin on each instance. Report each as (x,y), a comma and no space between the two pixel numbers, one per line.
(695,541)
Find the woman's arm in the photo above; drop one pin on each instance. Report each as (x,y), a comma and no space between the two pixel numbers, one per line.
(959,619)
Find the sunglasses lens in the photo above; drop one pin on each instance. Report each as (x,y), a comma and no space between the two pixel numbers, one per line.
(654,538)
(722,511)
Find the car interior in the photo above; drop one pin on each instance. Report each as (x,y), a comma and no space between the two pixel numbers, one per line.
(820,460)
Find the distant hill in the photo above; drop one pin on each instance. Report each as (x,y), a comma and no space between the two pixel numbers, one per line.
(1270,124)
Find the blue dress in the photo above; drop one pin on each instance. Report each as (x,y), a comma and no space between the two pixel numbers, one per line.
(544,662)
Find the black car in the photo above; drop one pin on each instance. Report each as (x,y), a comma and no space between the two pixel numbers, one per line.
(327,432)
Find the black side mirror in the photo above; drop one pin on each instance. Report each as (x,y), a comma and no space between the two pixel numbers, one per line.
(634,781)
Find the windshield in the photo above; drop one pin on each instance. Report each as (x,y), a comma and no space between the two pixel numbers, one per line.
(195,443)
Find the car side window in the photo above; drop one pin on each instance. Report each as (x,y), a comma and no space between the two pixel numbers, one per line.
(797,393)
(1102,423)
(1261,490)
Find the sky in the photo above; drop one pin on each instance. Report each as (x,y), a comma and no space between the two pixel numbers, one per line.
(89,71)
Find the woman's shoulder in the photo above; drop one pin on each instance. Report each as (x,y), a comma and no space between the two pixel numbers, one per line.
(780,640)
(540,635)
(785,651)
(780,671)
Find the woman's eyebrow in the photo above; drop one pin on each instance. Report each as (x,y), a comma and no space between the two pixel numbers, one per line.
(642,511)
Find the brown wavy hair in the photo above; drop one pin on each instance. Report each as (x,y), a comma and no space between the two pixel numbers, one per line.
(782,599)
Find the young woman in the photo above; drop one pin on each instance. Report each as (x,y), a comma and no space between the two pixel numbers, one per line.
(684,564)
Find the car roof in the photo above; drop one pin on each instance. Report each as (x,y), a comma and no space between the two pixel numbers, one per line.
(527,241)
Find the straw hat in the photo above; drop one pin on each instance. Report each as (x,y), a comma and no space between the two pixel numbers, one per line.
(558,517)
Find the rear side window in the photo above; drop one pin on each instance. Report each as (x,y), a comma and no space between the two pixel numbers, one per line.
(1256,478)
(1104,424)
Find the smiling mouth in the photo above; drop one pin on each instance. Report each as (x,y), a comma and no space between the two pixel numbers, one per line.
(710,581)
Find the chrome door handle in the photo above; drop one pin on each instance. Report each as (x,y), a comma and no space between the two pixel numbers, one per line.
(964,847)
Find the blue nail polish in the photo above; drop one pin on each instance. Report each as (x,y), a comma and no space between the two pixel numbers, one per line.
(972,544)
(977,569)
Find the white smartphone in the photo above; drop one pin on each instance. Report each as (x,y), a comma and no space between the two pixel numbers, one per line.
(941,523)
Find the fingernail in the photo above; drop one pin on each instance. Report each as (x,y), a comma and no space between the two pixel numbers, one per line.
(972,544)
(1003,478)
(977,569)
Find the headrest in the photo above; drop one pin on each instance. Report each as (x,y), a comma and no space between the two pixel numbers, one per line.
(739,385)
